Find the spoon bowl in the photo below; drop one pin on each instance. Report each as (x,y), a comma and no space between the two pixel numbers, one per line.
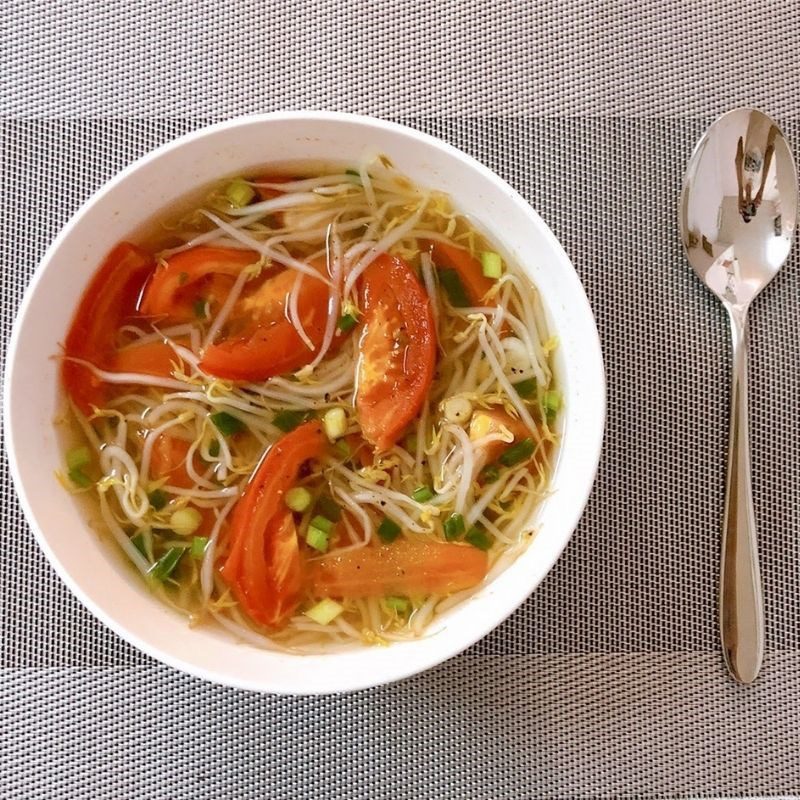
(738,212)
(739,205)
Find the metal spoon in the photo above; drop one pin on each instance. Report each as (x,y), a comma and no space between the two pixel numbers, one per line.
(737,217)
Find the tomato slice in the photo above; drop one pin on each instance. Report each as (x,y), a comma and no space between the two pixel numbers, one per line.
(168,461)
(153,358)
(397,350)
(405,568)
(205,273)
(110,298)
(263,567)
(490,420)
(261,341)
(468,268)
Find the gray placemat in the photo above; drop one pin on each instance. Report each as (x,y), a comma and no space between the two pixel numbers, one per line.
(608,681)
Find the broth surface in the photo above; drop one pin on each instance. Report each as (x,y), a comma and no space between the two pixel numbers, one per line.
(315,406)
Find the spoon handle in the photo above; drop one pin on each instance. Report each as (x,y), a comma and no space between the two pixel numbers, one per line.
(741,606)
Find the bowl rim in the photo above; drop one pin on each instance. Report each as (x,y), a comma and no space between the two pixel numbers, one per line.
(402,668)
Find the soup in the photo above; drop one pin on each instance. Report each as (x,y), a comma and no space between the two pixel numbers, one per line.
(316,409)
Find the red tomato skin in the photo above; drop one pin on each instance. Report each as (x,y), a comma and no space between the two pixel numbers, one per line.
(405,567)
(398,336)
(176,284)
(267,343)
(469,269)
(109,300)
(263,566)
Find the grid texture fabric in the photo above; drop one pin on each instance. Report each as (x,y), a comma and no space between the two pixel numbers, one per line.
(608,681)
(399,57)
(483,728)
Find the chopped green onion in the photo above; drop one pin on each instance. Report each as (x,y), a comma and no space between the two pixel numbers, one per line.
(328,508)
(398,604)
(456,293)
(298,499)
(491,265)
(288,420)
(317,538)
(324,612)
(158,499)
(552,403)
(453,527)
(526,389)
(199,544)
(479,538)
(138,541)
(388,530)
(323,523)
(334,420)
(490,474)
(521,451)
(226,423)
(213,448)
(239,192)
(346,323)
(200,307)
(422,494)
(354,172)
(165,565)
(80,478)
(185,521)
(78,457)
(182,278)
(342,448)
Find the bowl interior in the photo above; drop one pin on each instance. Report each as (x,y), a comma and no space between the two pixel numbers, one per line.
(90,565)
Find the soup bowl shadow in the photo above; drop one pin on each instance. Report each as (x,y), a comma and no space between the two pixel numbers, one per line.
(90,565)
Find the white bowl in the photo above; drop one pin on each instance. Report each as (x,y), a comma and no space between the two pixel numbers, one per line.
(91,567)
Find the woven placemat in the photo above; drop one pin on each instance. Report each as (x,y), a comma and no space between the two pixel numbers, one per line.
(608,681)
